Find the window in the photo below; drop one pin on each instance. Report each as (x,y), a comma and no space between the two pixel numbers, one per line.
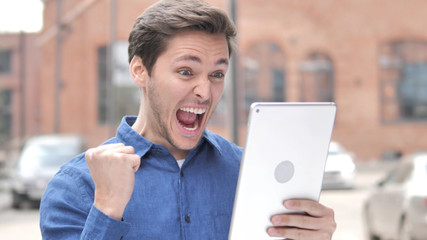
(317,78)
(264,74)
(278,84)
(251,72)
(5,115)
(5,61)
(123,98)
(412,91)
(403,81)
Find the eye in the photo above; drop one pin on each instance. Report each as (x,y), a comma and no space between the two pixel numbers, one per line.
(185,72)
(218,75)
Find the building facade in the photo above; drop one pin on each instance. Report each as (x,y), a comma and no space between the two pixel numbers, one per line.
(19,89)
(367,56)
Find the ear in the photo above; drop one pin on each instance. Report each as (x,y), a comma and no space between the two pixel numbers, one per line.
(138,71)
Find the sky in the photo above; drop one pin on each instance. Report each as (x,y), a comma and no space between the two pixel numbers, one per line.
(21,15)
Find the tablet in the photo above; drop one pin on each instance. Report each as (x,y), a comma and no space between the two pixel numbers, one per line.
(284,158)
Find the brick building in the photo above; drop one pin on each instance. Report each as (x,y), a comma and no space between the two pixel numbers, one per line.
(367,56)
(19,88)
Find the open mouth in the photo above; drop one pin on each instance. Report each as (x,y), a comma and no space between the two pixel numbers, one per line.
(190,118)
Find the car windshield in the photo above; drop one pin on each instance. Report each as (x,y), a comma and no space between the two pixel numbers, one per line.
(47,156)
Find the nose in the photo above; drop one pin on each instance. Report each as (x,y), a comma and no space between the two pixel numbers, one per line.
(202,89)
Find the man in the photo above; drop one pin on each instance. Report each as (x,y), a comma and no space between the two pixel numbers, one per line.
(164,176)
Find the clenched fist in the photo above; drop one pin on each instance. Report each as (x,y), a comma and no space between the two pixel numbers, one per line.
(112,167)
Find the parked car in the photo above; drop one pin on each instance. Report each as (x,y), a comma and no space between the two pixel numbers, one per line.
(39,160)
(397,207)
(339,169)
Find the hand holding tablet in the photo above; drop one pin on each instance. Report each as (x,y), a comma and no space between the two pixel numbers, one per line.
(284,158)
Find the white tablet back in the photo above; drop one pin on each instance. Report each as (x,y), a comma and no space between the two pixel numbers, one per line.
(284,158)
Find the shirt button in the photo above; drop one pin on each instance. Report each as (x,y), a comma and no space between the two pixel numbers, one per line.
(187,219)
(182,174)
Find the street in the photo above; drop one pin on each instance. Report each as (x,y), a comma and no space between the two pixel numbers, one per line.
(24,224)
(347,205)
(19,224)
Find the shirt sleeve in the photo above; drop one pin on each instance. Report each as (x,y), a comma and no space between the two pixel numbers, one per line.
(67,211)
(100,226)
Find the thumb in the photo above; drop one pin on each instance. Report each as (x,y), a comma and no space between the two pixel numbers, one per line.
(136,163)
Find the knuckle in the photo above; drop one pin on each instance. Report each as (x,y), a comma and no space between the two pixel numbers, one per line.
(130,149)
(333,223)
(284,220)
(120,157)
(89,153)
(332,213)
(136,158)
(281,231)
(305,221)
(333,226)
(313,207)
(296,203)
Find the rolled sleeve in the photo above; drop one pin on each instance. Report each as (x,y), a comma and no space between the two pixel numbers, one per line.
(67,211)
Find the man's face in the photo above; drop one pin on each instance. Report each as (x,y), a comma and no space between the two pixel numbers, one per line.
(185,86)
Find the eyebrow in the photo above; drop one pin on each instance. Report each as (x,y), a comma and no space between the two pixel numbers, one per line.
(188,57)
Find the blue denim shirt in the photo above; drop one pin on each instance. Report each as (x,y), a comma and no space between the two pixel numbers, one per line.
(194,202)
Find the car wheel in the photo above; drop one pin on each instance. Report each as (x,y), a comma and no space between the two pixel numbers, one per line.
(405,229)
(17,200)
(371,236)
(21,201)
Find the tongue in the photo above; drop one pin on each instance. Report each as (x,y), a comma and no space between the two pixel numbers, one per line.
(186,117)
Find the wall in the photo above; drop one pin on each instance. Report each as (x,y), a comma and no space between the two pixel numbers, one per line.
(349,31)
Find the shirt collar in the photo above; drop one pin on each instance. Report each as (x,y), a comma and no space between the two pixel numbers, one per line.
(211,138)
(130,137)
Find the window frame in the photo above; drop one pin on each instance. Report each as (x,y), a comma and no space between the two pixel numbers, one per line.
(6,61)
(394,59)
(318,64)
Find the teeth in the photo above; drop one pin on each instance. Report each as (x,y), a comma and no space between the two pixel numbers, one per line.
(193,110)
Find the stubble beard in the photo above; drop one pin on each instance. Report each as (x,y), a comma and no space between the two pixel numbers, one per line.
(156,109)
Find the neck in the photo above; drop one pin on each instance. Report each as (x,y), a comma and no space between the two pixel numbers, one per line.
(141,126)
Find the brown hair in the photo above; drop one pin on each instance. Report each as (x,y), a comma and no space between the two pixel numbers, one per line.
(153,28)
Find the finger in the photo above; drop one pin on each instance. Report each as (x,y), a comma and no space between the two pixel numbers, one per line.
(109,146)
(90,152)
(297,233)
(298,220)
(311,207)
(123,149)
(136,162)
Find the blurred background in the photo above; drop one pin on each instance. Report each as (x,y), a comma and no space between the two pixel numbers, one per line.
(64,72)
